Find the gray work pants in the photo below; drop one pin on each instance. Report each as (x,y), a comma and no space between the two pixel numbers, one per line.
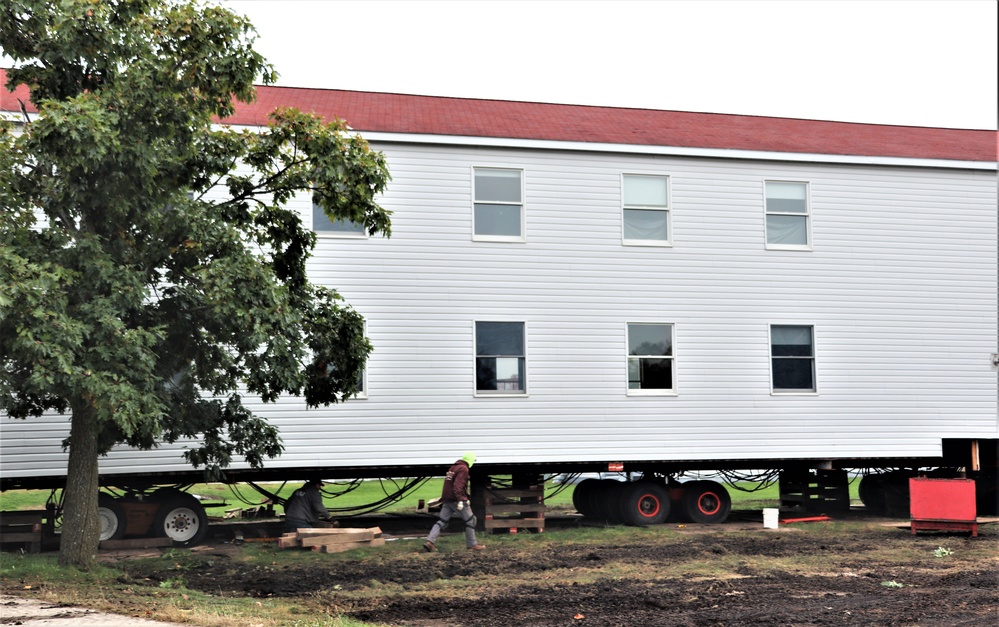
(449,509)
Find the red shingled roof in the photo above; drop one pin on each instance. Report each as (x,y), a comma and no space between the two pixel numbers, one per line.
(430,115)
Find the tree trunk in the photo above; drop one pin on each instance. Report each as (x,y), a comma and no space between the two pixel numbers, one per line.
(80,525)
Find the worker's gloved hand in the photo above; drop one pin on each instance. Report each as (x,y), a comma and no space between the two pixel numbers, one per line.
(461,505)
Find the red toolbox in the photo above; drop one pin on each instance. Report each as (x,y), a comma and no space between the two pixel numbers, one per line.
(943,504)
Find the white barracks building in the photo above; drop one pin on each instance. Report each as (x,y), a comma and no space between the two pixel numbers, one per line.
(568,287)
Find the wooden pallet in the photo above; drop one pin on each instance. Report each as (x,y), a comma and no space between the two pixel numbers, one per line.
(24,527)
(509,509)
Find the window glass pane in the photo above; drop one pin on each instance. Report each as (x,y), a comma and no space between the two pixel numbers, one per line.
(645,224)
(499,338)
(786,205)
(648,373)
(648,191)
(785,190)
(497,185)
(788,230)
(650,339)
(322,223)
(499,374)
(786,197)
(793,374)
(796,335)
(502,220)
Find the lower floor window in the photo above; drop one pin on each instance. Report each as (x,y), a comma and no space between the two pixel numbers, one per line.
(500,358)
(792,356)
(650,358)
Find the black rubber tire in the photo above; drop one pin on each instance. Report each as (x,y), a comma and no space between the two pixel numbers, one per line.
(112,517)
(987,493)
(872,493)
(582,496)
(705,502)
(644,503)
(606,500)
(182,519)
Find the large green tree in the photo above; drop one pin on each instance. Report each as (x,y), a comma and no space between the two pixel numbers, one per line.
(134,296)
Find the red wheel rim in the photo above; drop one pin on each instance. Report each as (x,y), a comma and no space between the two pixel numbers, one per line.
(648,505)
(709,503)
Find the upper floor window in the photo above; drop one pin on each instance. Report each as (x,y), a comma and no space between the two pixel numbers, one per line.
(646,209)
(322,225)
(500,358)
(498,205)
(792,358)
(787,215)
(650,358)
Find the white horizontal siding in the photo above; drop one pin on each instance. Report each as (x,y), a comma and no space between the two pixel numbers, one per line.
(900,287)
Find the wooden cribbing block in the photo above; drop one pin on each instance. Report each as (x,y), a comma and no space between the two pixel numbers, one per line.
(347,545)
(356,535)
(318,536)
(329,531)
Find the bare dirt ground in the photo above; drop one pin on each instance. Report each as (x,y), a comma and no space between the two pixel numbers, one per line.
(703,576)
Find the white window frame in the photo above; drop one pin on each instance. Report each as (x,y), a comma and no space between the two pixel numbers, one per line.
(807,215)
(363,234)
(774,391)
(629,358)
(522,393)
(668,210)
(522,205)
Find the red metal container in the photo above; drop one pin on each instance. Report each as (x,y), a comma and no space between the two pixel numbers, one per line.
(943,504)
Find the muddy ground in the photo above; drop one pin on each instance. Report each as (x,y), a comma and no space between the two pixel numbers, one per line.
(702,577)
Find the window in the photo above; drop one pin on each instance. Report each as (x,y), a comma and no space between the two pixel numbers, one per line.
(646,209)
(500,358)
(787,215)
(498,207)
(650,358)
(322,225)
(792,358)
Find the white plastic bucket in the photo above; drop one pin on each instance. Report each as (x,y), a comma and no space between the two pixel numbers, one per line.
(770,517)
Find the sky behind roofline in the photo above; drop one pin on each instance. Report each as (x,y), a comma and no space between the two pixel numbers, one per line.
(920,63)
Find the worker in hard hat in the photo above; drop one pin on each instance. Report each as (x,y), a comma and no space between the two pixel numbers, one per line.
(304,508)
(454,500)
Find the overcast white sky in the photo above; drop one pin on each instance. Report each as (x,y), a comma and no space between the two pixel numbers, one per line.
(918,63)
(911,62)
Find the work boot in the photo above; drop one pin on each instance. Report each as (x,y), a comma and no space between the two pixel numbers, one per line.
(429,546)
(477,547)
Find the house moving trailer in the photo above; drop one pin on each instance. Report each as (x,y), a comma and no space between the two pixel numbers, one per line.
(575,289)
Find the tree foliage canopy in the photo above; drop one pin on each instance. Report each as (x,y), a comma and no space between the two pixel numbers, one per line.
(132,289)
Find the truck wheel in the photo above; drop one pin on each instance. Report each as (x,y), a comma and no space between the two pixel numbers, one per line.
(111,516)
(987,493)
(582,496)
(644,503)
(182,519)
(606,501)
(872,493)
(706,502)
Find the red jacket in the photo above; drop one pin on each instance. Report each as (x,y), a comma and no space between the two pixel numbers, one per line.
(456,482)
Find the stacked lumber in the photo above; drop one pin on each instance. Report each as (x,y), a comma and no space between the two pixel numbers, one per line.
(332,540)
